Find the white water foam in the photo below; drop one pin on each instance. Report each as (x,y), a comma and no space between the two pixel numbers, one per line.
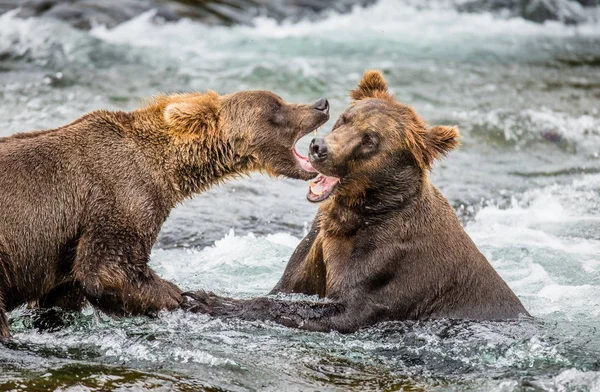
(386,21)
(543,246)
(43,40)
(413,22)
(244,265)
(574,379)
(527,125)
(566,381)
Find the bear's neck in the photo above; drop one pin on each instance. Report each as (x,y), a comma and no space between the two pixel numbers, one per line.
(349,211)
(190,164)
(197,166)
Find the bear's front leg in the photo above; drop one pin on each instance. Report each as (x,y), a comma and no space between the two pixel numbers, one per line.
(146,295)
(50,309)
(312,316)
(115,277)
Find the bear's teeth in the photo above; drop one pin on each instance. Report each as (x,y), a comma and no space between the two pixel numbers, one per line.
(316,189)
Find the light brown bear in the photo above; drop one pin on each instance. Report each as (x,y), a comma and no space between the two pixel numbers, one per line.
(82,205)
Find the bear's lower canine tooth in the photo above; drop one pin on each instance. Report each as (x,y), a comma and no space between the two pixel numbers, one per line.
(312,185)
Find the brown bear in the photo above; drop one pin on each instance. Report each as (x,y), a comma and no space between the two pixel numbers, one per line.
(81,205)
(385,244)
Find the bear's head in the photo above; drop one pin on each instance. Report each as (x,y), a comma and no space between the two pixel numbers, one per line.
(249,130)
(377,144)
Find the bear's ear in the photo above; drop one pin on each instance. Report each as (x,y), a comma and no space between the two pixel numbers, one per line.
(372,85)
(439,141)
(194,114)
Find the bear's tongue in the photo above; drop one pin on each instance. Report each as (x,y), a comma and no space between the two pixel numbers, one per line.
(321,188)
(303,161)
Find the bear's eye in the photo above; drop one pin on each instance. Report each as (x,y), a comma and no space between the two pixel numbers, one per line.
(369,141)
(277,115)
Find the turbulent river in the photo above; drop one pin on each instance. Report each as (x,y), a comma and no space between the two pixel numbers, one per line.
(525,183)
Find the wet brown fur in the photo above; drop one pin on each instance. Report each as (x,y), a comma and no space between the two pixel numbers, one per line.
(82,205)
(386,245)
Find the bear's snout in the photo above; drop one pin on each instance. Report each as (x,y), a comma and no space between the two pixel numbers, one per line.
(322,105)
(317,151)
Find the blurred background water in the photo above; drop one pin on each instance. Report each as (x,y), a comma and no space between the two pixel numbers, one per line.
(525,93)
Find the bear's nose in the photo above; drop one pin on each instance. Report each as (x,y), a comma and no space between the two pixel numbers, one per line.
(317,151)
(322,105)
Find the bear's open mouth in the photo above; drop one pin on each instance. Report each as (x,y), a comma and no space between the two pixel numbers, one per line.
(302,160)
(321,188)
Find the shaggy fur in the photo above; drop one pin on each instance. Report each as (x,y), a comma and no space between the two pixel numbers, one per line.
(82,205)
(386,245)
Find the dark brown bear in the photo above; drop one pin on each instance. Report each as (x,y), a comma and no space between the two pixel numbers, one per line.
(81,205)
(385,244)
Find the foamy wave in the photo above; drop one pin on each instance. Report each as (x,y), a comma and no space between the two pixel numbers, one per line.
(247,264)
(523,127)
(544,218)
(17,40)
(43,40)
(410,29)
(410,22)
(537,210)
(567,380)
(574,379)
(545,246)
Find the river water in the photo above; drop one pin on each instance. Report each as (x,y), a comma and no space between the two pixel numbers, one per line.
(525,183)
